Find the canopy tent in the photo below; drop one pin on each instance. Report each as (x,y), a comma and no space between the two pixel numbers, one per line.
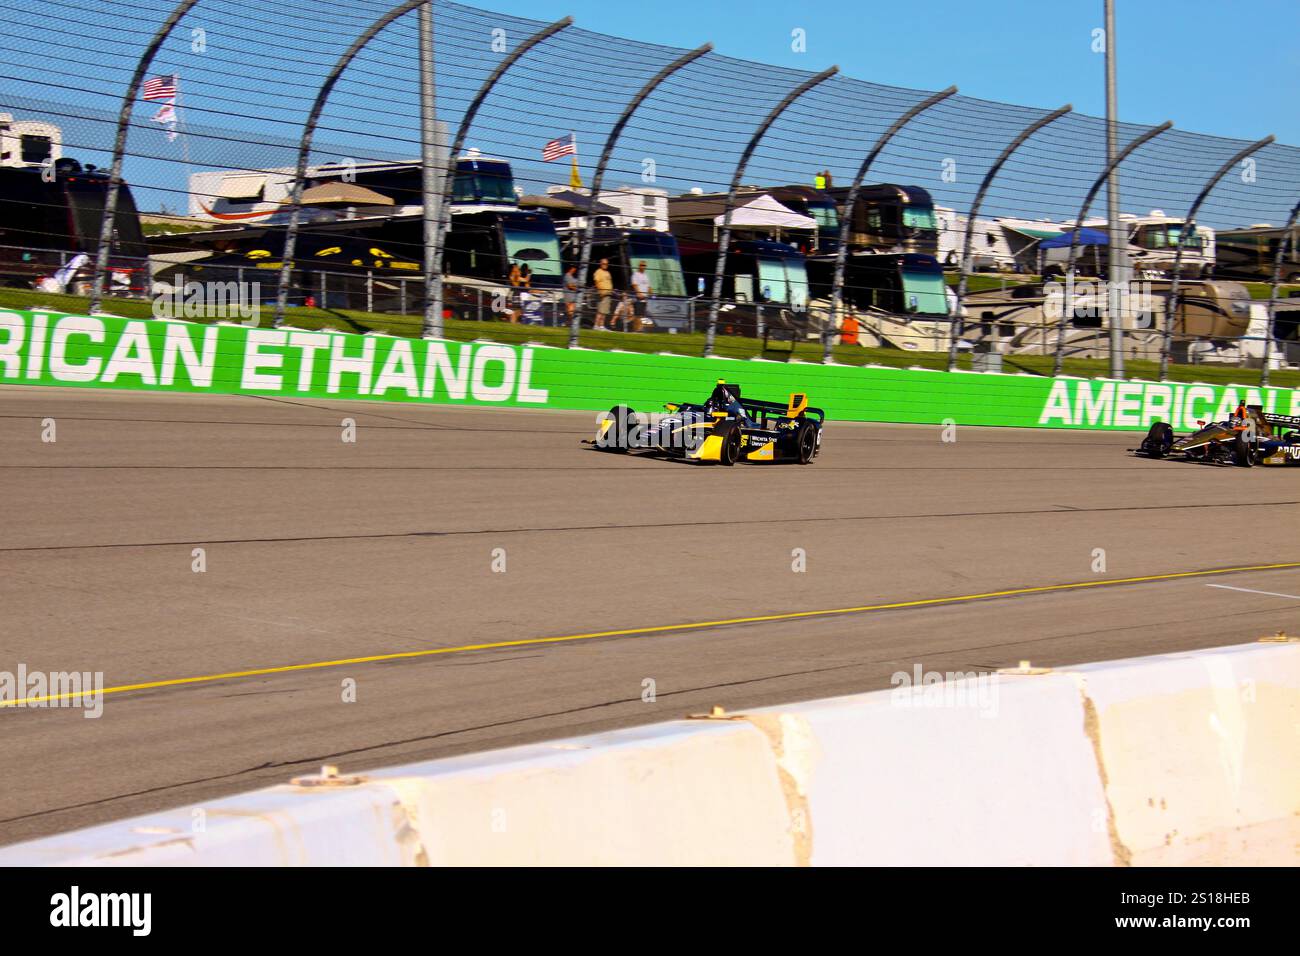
(766,213)
(574,203)
(1087,237)
(342,194)
(1029,231)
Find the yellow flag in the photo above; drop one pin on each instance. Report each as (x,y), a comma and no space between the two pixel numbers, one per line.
(575,180)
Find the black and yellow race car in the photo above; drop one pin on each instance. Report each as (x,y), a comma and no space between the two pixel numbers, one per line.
(1250,437)
(725,429)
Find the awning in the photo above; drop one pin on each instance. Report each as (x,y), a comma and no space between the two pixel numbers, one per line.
(1032,232)
(766,213)
(343,194)
(1087,237)
(570,202)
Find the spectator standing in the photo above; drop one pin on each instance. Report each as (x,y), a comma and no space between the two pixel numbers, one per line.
(604,283)
(516,280)
(571,291)
(643,290)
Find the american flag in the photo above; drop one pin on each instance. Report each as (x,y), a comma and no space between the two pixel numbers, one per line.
(564,146)
(160,87)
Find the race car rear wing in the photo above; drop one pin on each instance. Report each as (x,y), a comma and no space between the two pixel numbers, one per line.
(791,410)
(1281,421)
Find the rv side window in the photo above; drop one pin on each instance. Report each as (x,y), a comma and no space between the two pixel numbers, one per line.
(36,149)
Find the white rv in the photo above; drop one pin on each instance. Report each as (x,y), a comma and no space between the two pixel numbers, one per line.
(999,245)
(29,143)
(259,196)
(640,207)
(1152,246)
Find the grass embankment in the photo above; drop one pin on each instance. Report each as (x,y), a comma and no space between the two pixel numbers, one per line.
(726,346)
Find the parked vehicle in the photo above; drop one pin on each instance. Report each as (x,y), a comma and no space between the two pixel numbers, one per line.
(668,306)
(1251,253)
(907,284)
(764,285)
(46,220)
(1152,249)
(891,218)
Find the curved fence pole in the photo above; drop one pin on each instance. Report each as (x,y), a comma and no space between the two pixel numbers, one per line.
(725,239)
(611,141)
(430,181)
(842,253)
(1122,155)
(304,149)
(1287,237)
(119,150)
(1171,307)
(433,288)
(1015,144)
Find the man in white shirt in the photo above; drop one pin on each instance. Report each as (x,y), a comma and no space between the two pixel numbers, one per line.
(642,289)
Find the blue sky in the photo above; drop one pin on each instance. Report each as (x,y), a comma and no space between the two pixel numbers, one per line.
(1241,79)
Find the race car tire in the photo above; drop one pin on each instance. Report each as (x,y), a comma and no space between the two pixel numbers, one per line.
(1242,452)
(625,419)
(1160,438)
(806,443)
(730,452)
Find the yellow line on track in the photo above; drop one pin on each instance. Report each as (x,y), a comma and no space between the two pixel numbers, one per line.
(658,629)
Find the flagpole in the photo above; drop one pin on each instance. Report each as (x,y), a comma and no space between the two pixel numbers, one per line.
(180,124)
(575,177)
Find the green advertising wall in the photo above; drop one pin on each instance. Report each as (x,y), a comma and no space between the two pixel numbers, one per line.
(44,348)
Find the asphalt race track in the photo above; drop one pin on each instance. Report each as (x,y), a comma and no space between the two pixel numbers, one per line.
(319,551)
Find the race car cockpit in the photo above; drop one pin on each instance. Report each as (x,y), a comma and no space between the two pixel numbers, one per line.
(726,398)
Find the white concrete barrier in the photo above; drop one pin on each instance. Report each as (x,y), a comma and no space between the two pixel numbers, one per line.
(1181,758)
(1201,754)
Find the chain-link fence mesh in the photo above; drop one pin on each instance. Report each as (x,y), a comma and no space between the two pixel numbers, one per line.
(210,170)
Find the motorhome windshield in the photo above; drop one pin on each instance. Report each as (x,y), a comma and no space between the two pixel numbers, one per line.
(661,263)
(919,217)
(533,243)
(489,184)
(923,290)
(783,281)
(1167,236)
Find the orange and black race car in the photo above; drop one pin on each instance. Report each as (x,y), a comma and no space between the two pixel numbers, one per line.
(1251,436)
(724,429)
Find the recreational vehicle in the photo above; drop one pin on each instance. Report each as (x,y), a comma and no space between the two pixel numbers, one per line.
(1251,253)
(908,284)
(1151,250)
(765,284)
(25,144)
(1026,319)
(891,218)
(49,216)
(626,249)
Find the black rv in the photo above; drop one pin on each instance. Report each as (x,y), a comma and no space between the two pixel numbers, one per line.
(891,218)
(49,216)
(626,249)
(908,284)
(764,284)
